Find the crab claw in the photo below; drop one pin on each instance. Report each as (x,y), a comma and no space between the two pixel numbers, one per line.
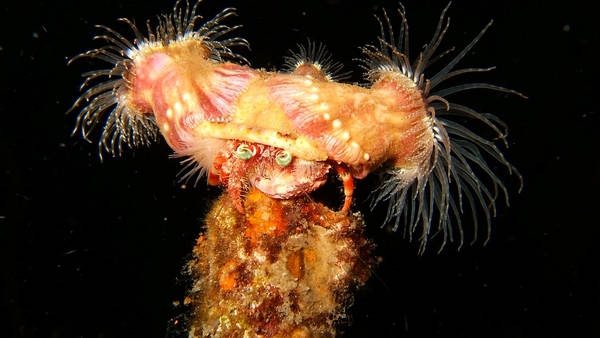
(297,178)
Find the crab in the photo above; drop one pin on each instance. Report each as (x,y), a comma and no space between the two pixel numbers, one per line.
(284,131)
(273,171)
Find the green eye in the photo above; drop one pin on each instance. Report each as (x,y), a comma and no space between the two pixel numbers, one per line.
(244,152)
(283,158)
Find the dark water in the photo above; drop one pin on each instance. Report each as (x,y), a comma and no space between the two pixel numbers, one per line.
(96,249)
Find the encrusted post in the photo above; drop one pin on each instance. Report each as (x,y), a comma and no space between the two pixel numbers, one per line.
(286,268)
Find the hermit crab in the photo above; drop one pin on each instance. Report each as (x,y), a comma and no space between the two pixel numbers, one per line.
(283,132)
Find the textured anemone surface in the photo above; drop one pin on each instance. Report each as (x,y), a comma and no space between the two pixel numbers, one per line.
(286,268)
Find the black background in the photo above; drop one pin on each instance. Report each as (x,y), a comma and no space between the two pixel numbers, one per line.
(96,249)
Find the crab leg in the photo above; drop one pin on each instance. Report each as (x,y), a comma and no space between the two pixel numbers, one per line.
(348,181)
(215,173)
(236,183)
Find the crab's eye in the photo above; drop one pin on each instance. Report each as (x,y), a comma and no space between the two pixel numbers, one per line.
(283,158)
(244,152)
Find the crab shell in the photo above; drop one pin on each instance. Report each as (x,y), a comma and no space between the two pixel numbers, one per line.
(195,99)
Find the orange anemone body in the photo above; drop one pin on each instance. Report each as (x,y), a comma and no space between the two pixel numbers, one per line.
(195,99)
